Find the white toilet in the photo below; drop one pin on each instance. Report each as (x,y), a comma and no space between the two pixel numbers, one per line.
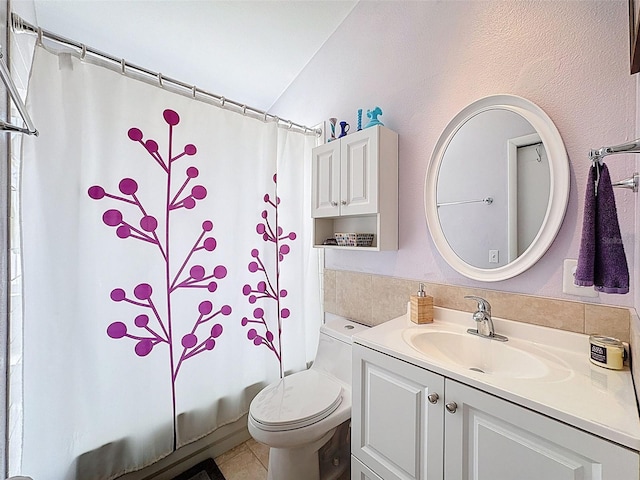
(302,412)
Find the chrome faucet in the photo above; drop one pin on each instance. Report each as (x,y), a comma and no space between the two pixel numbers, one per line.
(482,316)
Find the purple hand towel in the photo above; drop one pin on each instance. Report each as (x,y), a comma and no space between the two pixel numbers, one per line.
(601,262)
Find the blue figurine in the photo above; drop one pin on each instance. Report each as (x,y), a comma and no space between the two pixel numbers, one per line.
(344,129)
(373,115)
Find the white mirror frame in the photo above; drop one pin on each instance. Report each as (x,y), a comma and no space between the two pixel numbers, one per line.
(558,196)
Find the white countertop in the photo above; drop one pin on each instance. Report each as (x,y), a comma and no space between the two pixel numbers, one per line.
(586,396)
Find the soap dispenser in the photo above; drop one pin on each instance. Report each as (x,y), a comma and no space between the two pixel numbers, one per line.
(421,307)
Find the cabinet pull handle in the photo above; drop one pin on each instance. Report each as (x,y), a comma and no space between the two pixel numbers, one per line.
(344,202)
(451,407)
(433,398)
(334,204)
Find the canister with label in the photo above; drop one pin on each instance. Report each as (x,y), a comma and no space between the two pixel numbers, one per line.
(606,352)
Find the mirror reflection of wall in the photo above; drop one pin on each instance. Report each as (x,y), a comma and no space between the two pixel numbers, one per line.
(493,154)
(529,189)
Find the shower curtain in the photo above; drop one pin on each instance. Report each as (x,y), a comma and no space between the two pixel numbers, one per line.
(167,269)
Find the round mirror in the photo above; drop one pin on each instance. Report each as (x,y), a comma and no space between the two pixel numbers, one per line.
(497,188)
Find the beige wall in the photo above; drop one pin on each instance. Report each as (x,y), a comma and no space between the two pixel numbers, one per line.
(374,299)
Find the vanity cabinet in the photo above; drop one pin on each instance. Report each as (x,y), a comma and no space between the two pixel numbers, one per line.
(490,438)
(355,187)
(401,430)
(359,471)
(395,429)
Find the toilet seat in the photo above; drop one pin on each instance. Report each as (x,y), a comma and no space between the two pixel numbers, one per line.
(296,401)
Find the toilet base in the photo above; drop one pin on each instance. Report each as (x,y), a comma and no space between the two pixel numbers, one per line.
(297,463)
(335,455)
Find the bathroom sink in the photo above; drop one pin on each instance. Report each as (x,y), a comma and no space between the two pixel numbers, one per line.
(514,360)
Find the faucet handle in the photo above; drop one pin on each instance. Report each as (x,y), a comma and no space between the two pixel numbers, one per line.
(483,305)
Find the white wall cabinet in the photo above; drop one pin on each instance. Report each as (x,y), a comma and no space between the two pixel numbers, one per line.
(355,187)
(467,434)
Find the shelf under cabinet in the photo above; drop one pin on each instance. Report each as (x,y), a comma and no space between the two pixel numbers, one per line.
(327,227)
(345,247)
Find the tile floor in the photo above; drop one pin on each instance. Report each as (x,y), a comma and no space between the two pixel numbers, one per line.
(249,461)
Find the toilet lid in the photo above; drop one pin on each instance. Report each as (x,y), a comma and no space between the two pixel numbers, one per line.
(296,401)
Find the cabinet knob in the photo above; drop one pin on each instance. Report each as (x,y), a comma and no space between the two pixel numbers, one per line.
(451,407)
(433,398)
(344,202)
(334,204)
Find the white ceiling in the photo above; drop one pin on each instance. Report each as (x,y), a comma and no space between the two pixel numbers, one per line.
(247,51)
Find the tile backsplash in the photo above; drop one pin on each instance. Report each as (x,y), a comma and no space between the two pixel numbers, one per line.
(374,299)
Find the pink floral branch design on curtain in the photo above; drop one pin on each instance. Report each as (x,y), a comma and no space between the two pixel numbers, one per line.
(270,287)
(149,328)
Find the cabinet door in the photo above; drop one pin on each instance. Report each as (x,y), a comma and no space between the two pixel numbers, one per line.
(359,471)
(396,431)
(325,183)
(359,172)
(488,438)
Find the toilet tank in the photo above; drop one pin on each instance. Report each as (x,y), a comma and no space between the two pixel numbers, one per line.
(334,348)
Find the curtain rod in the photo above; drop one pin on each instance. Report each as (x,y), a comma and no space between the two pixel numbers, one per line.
(129,69)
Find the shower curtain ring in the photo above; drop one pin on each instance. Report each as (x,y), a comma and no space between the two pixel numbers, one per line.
(123,65)
(193,91)
(40,36)
(290,125)
(160,80)
(244,109)
(83,53)
(222,100)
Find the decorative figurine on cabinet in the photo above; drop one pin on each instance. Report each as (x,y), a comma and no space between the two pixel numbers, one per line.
(373,115)
(332,128)
(344,128)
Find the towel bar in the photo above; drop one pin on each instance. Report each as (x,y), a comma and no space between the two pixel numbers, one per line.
(631,183)
(487,200)
(599,154)
(5,76)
